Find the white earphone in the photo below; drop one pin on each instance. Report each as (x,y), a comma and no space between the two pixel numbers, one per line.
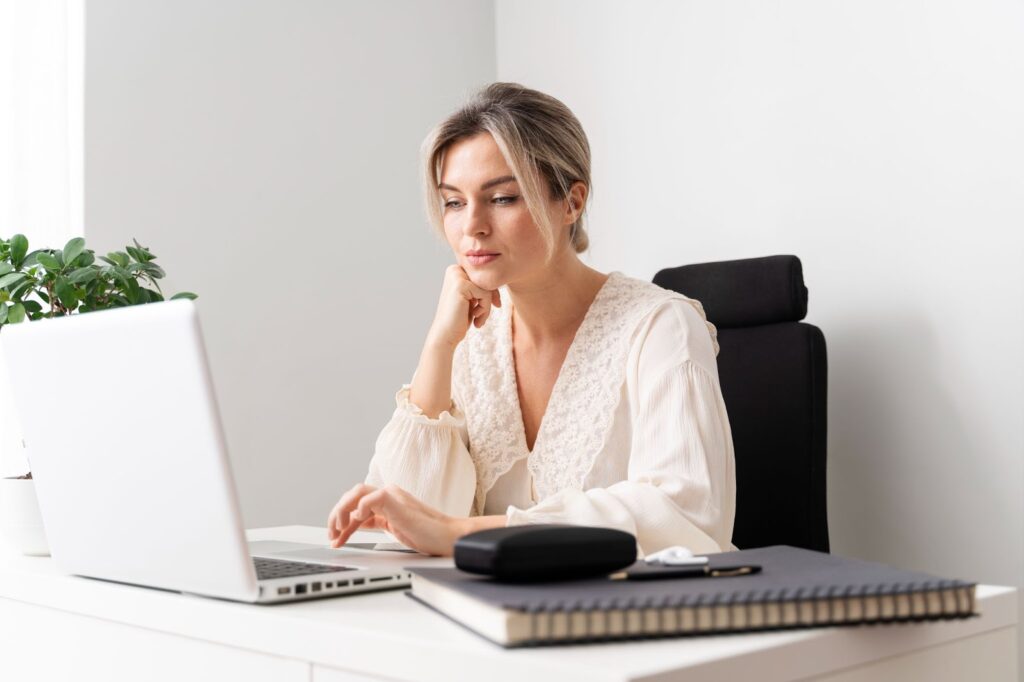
(675,556)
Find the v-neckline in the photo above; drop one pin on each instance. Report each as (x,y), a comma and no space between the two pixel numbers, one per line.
(569,357)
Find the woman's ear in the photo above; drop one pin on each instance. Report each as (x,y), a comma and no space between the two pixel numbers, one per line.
(576,199)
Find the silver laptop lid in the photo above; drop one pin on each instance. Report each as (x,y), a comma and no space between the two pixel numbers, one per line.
(126,447)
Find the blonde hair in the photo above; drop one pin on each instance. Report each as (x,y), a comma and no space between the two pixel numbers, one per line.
(541,140)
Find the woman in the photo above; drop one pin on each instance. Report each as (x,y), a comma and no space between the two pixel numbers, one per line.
(572,396)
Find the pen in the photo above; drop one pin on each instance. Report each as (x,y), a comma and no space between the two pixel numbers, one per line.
(651,573)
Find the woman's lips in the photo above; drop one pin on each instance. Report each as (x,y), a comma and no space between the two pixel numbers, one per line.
(482,259)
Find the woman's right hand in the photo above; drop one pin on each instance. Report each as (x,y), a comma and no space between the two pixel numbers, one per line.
(461,303)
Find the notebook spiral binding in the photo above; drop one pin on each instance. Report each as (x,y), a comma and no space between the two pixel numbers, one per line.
(616,618)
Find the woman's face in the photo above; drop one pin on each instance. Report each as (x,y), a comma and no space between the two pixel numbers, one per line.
(486,221)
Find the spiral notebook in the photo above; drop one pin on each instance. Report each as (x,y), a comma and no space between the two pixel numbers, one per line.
(795,588)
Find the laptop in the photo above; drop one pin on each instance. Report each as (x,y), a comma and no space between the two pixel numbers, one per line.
(131,468)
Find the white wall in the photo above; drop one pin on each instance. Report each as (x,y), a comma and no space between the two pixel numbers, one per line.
(41,70)
(267,151)
(882,143)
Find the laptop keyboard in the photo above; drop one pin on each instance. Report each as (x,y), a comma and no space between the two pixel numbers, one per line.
(279,568)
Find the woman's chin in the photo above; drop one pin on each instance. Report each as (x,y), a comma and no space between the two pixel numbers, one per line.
(485,279)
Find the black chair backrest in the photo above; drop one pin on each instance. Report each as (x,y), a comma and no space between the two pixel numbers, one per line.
(773,371)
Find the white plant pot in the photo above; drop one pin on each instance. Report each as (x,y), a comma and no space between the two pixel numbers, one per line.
(12,455)
(21,525)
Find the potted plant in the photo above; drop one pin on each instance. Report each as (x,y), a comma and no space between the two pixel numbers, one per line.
(49,283)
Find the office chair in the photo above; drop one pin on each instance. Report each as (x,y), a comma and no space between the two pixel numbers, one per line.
(773,372)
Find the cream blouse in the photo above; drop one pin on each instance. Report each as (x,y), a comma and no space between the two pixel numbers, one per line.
(635,435)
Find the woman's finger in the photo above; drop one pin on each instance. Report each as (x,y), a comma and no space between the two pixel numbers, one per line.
(332,519)
(482,319)
(480,315)
(373,503)
(363,516)
(478,296)
(354,525)
(348,502)
(344,535)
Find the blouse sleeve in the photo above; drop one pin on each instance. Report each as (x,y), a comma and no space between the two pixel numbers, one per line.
(426,457)
(680,487)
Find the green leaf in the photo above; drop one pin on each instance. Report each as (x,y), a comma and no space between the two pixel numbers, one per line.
(118,275)
(19,247)
(5,268)
(32,306)
(132,291)
(183,294)
(146,254)
(48,261)
(153,270)
(122,276)
(16,314)
(21,290)
(86,259)
(66,293)
(119,258)
(73,249)
(9,279)
(3,312)
(136,254)
(82,276)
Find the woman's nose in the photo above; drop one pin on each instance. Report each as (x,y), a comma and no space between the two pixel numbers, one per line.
(476,220)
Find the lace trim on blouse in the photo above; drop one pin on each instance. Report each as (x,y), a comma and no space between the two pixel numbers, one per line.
(583,401)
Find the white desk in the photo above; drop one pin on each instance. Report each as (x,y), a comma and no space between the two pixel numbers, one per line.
(56,627)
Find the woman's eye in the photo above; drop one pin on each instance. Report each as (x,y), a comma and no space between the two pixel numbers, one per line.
(501,201)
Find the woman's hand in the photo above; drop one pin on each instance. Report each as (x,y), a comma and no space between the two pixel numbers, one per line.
(390,508)
(461,303)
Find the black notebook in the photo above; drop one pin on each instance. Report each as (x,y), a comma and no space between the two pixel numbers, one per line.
(795,588)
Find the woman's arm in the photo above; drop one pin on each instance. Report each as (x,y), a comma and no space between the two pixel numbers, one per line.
(431,388)
(461,302)
(422,481)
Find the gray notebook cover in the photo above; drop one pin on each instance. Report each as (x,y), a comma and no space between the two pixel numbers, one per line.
(787,574)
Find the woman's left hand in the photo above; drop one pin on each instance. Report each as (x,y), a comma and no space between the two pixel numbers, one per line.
(400,513)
